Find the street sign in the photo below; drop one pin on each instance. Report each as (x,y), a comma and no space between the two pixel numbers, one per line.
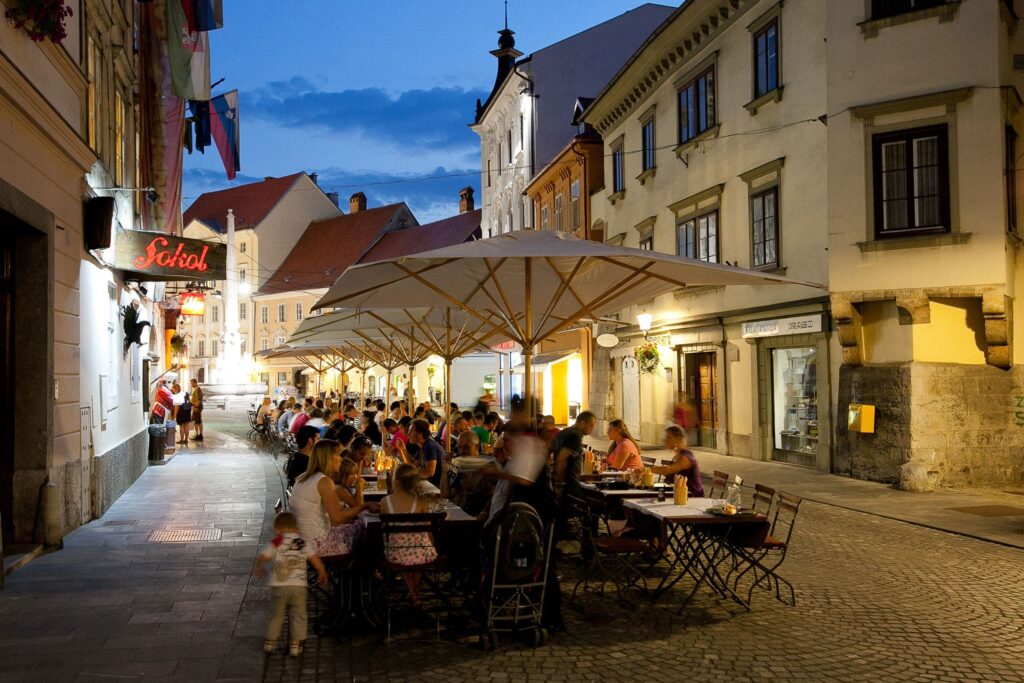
(803,324)
(160,256)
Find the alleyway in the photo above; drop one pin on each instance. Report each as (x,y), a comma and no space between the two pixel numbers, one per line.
(877,600)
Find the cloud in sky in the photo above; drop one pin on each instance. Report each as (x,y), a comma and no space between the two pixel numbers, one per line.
(431,196)
(414,120)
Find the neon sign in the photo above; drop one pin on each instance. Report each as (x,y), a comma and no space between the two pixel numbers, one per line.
(161,256)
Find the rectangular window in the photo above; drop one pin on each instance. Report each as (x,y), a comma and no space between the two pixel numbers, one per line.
(509,145)
(544,223)
(698,237)
(574,201)
(241,247)
(522,132)
(92,66)
(488,173)
(264,314)
(647,244)
(1011,179)
(558,212)
(795,399)
(120,140)
(202,348)
(766,59)
(215,313)
(280,313)
(241,276)
(697,106)
(242,345)
(648,144)
(282,379)
(298,311)
(880,9)
(618,173)
(911,182)
(214,347)
(764,226)
(280,341)
(241,310)
(264,344)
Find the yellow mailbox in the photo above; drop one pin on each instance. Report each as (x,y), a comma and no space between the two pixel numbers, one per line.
(861,418)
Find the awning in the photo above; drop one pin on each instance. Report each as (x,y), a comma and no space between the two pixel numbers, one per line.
(550,358)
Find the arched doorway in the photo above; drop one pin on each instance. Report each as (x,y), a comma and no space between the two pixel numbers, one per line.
(631,394)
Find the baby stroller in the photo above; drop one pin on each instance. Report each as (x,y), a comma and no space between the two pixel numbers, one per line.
(517,576)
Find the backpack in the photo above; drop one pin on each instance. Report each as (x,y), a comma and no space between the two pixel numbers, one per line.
(521,555)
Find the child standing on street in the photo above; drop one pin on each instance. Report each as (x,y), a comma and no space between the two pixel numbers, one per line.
(288,552)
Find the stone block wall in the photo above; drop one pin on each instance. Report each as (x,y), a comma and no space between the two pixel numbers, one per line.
(965,423)
(117,469)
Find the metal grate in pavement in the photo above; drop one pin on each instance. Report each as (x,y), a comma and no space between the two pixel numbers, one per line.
(991,510)
(232,507)
(121,522)
(184,535)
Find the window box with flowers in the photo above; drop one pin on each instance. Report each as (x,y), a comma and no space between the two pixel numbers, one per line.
(648,358)
(40,19)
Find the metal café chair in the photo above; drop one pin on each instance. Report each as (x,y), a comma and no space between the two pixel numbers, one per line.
(719,482)
(607,558)
(648,461)
(396,525)
(763,562)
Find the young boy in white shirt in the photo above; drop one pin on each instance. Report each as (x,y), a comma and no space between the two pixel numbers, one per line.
(288,552)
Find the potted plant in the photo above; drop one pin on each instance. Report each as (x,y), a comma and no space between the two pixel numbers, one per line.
(178,344)
(648,358)
(40,19)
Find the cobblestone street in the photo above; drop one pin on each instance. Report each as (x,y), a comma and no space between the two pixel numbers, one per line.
(877,600)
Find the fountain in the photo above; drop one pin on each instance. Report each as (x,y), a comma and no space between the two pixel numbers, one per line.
(230,386)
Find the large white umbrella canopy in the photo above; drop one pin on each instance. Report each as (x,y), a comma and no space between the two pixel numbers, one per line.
(538,282)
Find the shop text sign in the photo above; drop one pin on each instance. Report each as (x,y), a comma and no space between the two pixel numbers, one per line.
(804,324)
(164,256)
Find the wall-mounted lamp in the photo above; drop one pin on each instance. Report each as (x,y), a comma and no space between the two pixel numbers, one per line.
(643,321)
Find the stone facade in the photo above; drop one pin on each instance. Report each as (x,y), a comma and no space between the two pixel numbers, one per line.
(964,423)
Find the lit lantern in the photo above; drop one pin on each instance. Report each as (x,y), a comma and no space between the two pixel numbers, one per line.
(193,303)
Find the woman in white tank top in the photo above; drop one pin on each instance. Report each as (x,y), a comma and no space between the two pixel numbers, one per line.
(332,528)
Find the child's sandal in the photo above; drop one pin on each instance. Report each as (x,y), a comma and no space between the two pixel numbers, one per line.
(269,646)
(295,650)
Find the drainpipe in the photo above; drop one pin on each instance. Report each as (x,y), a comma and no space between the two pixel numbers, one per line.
(725,384)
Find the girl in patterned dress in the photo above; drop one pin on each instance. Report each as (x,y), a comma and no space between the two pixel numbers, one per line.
(410,549)
(332,527)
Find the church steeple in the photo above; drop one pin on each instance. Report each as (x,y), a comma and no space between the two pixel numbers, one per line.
(507,54)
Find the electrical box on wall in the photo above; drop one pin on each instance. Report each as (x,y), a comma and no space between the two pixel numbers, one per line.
(861,418)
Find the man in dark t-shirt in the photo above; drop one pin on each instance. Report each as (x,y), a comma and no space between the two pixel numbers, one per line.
(567,449)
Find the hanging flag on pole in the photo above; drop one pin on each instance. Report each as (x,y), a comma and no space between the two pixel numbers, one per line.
(225,131)
(189,54)
(207,15)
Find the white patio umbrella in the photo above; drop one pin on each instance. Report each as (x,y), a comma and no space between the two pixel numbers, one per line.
(390,335)
(536,282)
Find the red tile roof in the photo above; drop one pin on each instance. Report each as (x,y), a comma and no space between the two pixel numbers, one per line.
(443,233)
(251,203)
(327,248)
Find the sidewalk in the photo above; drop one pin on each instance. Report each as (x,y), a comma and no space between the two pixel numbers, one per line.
(120,602)
(985,514)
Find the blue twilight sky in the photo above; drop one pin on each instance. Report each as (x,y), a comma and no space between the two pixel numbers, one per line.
(368,92)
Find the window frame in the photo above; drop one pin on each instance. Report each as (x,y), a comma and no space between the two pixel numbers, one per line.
(298,310)
(908,135)
(559,211)
(694,220)
(772,23)
(618,169)
(648,147)
(264,315)
(647,243)
(756,196)
(282,313)
(574,204)
(242,311)
(698,104)
(545,215)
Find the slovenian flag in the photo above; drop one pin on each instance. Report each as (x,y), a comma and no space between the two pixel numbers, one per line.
(188,53)
(207,15)
(224,129)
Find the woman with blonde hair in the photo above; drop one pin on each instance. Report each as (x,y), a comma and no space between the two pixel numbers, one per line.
(623,453)
(332,527)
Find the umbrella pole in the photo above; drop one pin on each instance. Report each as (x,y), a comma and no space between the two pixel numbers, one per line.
(387,392)
(447,411)
(412,398)
(528,342)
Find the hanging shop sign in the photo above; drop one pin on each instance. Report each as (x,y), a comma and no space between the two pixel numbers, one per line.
(804,324)
(160,256)
(193,303)
(505,347)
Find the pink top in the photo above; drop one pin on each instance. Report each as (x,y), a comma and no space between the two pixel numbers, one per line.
(625,456)
(298,422)
(398,436)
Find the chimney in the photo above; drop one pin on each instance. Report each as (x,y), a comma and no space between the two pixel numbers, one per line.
(268,177)
(313,177)
(466,200)
(333,196)
(357,202)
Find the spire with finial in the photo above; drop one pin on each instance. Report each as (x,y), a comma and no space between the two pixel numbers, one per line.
(507,54)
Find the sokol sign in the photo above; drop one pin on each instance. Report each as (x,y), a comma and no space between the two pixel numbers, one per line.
(160,256)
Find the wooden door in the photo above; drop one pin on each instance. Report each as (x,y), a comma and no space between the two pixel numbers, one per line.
(7,388)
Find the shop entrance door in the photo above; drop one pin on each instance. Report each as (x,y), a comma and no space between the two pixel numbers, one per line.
(7,388)
(701,391)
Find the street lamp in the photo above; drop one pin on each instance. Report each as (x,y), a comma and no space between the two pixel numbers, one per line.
(643,321)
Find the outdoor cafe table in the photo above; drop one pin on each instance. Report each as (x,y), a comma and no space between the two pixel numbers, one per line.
(701,541)
(605,492)
(375,495)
